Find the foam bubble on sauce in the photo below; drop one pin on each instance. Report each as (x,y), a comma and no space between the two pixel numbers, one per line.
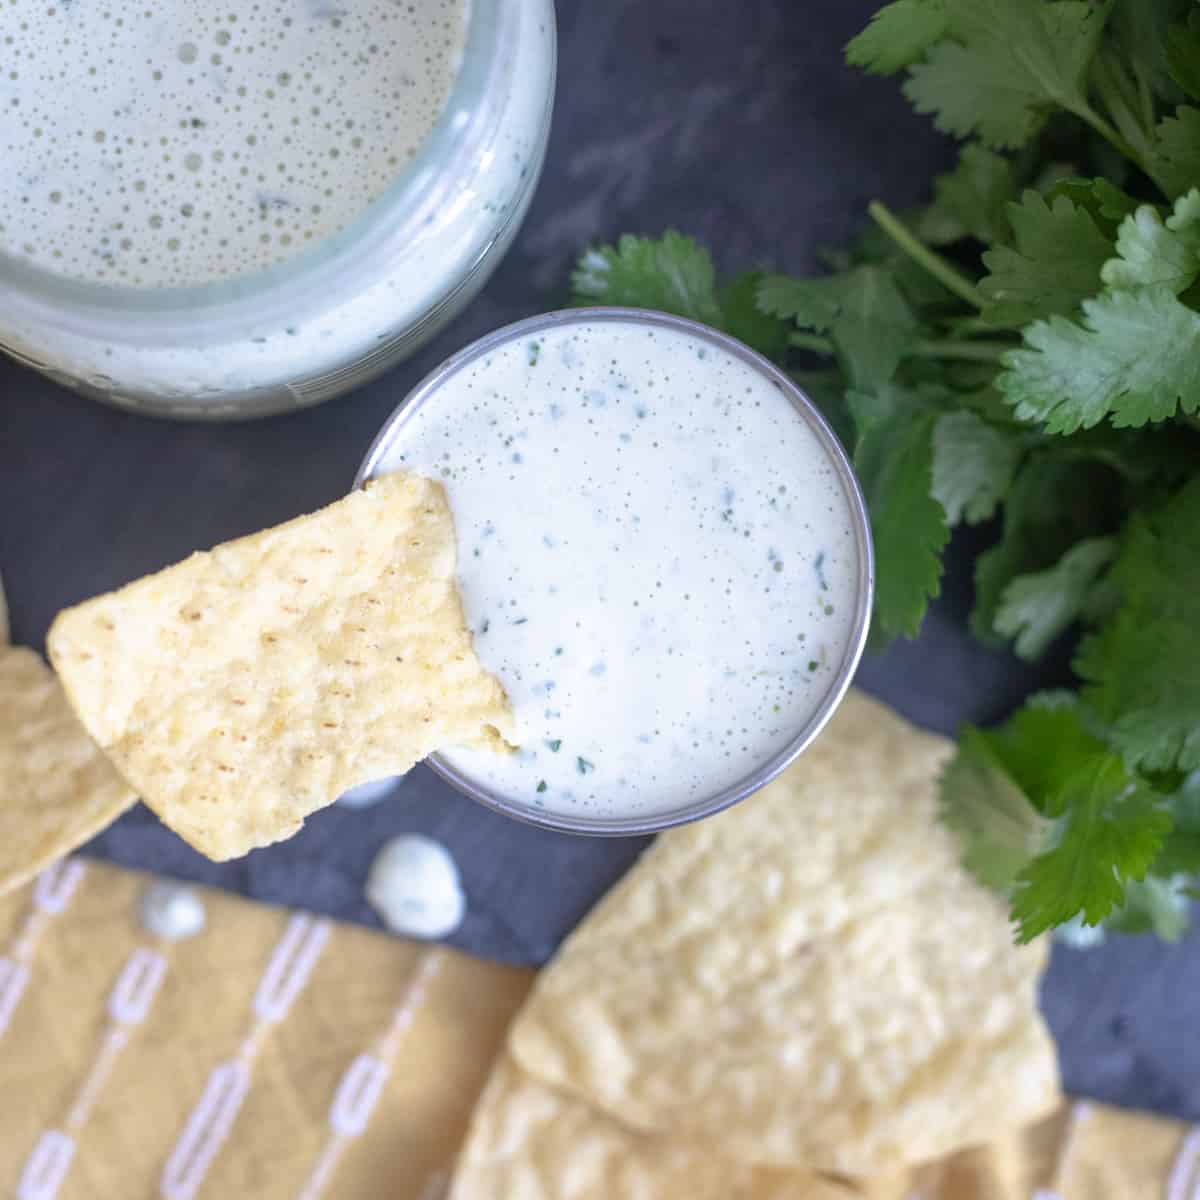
(176,144)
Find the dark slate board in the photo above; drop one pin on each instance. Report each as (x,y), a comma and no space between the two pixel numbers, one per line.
(733,122)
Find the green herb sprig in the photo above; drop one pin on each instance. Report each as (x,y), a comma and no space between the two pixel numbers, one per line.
(1024,349)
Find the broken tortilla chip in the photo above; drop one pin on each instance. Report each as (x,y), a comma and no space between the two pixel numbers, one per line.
(809,979)
(244,688)
(56,787)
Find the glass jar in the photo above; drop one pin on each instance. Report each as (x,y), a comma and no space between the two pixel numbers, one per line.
(333,316)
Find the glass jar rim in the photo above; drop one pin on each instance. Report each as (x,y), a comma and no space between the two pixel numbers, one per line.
(861,620)
(392,217)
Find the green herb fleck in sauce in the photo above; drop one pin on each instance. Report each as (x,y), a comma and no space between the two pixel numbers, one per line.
(819,567)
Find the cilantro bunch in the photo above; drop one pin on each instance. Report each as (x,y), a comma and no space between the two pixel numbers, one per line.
(1025,350)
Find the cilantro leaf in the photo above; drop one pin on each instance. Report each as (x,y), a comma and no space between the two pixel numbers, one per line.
(1107,825)
(1181,853)
(1000,830)
(1055,501)
(1142,667)
(1007,65)
(811,303)
(1139,31)
(741,316)
(973,466)
(1151,253)
(1183,54)
(673,274)
(1034,609)
(1107,204)
(898,35)
(862,310)
(1054,266)
(894,462)
(1177,150)
(827,391)
(973,198)
(1134,359)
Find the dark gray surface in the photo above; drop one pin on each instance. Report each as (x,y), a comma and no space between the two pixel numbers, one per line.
(733,122)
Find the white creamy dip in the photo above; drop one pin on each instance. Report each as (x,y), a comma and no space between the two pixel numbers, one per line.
(173,144)
(657,556)
(220,211)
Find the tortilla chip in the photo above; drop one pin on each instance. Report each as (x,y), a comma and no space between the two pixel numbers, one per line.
(808,979)
(245,688)
(56,788)
(530,1142)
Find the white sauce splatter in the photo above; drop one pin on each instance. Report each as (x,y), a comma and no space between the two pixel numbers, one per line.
(414,886)
(172,911)
(367,794)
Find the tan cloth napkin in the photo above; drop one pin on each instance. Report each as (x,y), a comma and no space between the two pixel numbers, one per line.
(346,1066)
(325,1060)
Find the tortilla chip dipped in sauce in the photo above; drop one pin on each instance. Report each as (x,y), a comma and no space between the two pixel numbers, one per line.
(245,688)
(810,979)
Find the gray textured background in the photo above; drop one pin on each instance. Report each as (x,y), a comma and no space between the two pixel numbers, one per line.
(733,122)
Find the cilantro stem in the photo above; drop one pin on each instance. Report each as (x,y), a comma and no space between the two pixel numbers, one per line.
(934,263)
(988,352)
(1147,101)
(947,348)
(961,327)
(1086,113)
(1122,97)
(1089,115)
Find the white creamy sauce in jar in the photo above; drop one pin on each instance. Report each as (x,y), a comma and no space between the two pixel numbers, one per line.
(218,211)
(176,143)
(657,557)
